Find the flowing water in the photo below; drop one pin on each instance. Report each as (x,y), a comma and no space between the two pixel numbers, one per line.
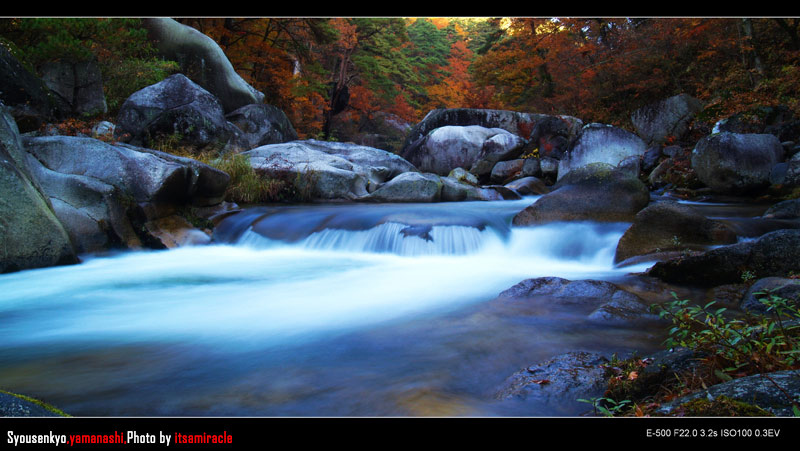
(329,310)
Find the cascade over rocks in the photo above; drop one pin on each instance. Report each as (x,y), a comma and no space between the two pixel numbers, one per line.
(203,61)
(597,192)
(656,122)
(599,143)
(736,163)
(175,107)
(30,234)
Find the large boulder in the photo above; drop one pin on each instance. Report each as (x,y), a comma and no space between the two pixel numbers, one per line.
(671,226)
(330,171)
(450,147)
(657,122)
(772,255)
(262,124)
(520,124)
(30,234)
(599,143)
(734,163)
(78,84)
(203,61)
(174,109)
(104,193)
(495,151)
(767,287)
(596,192)
(25,95)
(553,135)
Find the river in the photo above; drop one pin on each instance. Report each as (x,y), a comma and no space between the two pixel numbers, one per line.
(319,310)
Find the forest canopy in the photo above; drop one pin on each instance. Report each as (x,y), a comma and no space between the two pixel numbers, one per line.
(597,69)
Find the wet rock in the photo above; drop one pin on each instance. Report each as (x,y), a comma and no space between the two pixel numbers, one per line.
(15,406)
(596,192)
(528,186)
(771,286)
(558,382)
(454,190)
(788,209)
(504,171)
(759,390)
(774,254)
(671,226)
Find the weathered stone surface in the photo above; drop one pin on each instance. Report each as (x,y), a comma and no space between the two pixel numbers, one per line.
(671,226)
(670,117)
(408,187)
(174,109)
(767,287)
(788,209)
(599,143)
(262,124)
(528,186)
(203,60)
(496,150)
(558,382)
(25,96)
(505,171)
(454,190)
(736,163)
(595,192)
(759,390)
(553,135)
(342,171)
(450,147)
(78,84)
(774,254)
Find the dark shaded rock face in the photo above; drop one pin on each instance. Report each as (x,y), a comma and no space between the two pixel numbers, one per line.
(174,108)
(203,61)
(733,163)
(772,255)
(560,381)
(262,124)
(78,84)
(596,192)
(26,97)
(30,234)
(759,390)
(771,286)
(670,226)
(656,122)
(552,135)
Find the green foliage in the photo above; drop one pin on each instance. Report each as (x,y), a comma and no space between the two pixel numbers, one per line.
(248,187)
(608,407)
(738,346)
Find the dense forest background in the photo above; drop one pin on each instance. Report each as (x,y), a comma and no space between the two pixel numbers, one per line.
(597,69)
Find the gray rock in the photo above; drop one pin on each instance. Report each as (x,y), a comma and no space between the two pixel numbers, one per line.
(669,117)
(79,84)
(14,406)
(671,226)
(532,167)
(408,187)
(495,150)
(342,171)
(454,190)
(595,192)
(771,255)
(203,60)
(25,95)
(767,287)
(599,143)
(788,209)
(558,382)
(528,186)
(759,390)
(450,147)
(174,108)
(505,171)
(262,124)
(30,234)
(462,175)
(736,163)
